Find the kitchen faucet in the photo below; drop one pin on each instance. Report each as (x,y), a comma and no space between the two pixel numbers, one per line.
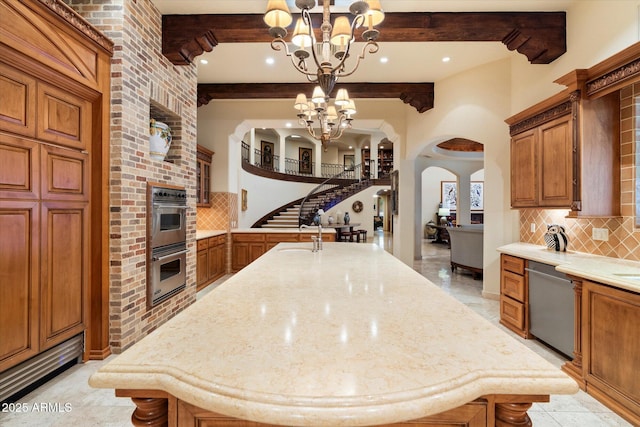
(317,240)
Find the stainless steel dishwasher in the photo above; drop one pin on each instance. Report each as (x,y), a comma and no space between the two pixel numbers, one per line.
(551,307)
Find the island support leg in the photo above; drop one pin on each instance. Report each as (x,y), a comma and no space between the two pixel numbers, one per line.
(150,412)
(513,414)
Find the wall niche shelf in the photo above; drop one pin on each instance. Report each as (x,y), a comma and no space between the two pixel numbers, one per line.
(162,114)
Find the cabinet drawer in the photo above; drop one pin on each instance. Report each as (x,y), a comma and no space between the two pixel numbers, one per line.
(283,237)
(216,240)
(203,244)
(248,237)
(513,285)
(512,312)
(512,263)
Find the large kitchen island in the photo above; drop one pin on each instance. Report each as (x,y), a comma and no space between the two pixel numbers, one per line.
(347,336)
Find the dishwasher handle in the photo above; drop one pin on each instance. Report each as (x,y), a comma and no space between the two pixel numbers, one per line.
(550,276)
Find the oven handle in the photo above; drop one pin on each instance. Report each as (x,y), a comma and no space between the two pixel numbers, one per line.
(159,205)
(160,258)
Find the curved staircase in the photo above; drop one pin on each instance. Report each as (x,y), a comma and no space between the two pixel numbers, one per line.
(302,211)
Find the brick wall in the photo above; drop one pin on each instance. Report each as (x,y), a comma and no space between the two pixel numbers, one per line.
(142,77)
(624,237)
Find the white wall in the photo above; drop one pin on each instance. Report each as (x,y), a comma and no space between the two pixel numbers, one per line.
(595,31)
(471,105)
(265,195)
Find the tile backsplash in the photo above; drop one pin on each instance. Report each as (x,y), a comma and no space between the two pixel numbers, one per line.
(624,239)
(222,215)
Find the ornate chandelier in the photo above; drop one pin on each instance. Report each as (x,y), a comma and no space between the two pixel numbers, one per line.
(331,124)
(336,39)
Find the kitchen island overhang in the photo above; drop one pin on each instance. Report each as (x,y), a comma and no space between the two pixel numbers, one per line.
(345,336)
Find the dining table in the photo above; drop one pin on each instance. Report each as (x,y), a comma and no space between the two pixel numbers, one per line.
(341,227)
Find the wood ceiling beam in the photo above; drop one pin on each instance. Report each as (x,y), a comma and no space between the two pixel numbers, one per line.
(418,95)
(540,36)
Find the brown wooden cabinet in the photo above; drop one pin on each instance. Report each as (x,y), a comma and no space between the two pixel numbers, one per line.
(203,176)
(44,215)
(611,349)
(211,260)
(247,247)
(565,154)
(541,165)
(514,295)
(524,177)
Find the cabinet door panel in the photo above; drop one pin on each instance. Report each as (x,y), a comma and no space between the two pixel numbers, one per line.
(513,285)
(512,312)
(611,347)
(17,101)
(202,268)
(214,266)
(63,118)
(556,187)
(524,175)
(19,168)
(19,265)
(245,253)
(64,275)
(65,174)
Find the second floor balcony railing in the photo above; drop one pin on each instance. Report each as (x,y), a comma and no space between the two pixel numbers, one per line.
(271,162)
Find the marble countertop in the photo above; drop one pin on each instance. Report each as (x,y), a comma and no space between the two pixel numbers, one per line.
(343,337)
(203,234)
(620,273)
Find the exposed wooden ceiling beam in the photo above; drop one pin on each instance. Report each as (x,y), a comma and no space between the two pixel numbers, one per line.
(418,95)
(540,36)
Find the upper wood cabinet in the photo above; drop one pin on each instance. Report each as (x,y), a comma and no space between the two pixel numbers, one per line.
(565,153)
(203,180)
(541,165)
(18,106)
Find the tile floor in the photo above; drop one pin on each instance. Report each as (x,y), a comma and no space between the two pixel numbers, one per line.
(77,404)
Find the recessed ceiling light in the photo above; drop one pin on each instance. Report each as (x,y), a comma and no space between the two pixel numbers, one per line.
(446,59)
(204,61)
(270,61)
(366,147)
(288,124)
(350,147)
(384,60)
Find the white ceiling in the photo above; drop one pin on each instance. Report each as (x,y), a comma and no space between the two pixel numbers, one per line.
(407,62)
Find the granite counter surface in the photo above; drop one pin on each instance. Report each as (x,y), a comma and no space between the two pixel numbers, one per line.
(203,234)
(620,273)
(343,337)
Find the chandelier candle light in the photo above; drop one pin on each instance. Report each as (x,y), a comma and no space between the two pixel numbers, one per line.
(336,42)
(336,39)
(331,124)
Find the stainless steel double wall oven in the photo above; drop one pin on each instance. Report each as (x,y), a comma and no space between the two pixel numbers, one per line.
(167,241)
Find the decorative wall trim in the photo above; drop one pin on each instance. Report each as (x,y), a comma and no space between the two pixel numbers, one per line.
(614,77)
(540,118)
(78,22)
